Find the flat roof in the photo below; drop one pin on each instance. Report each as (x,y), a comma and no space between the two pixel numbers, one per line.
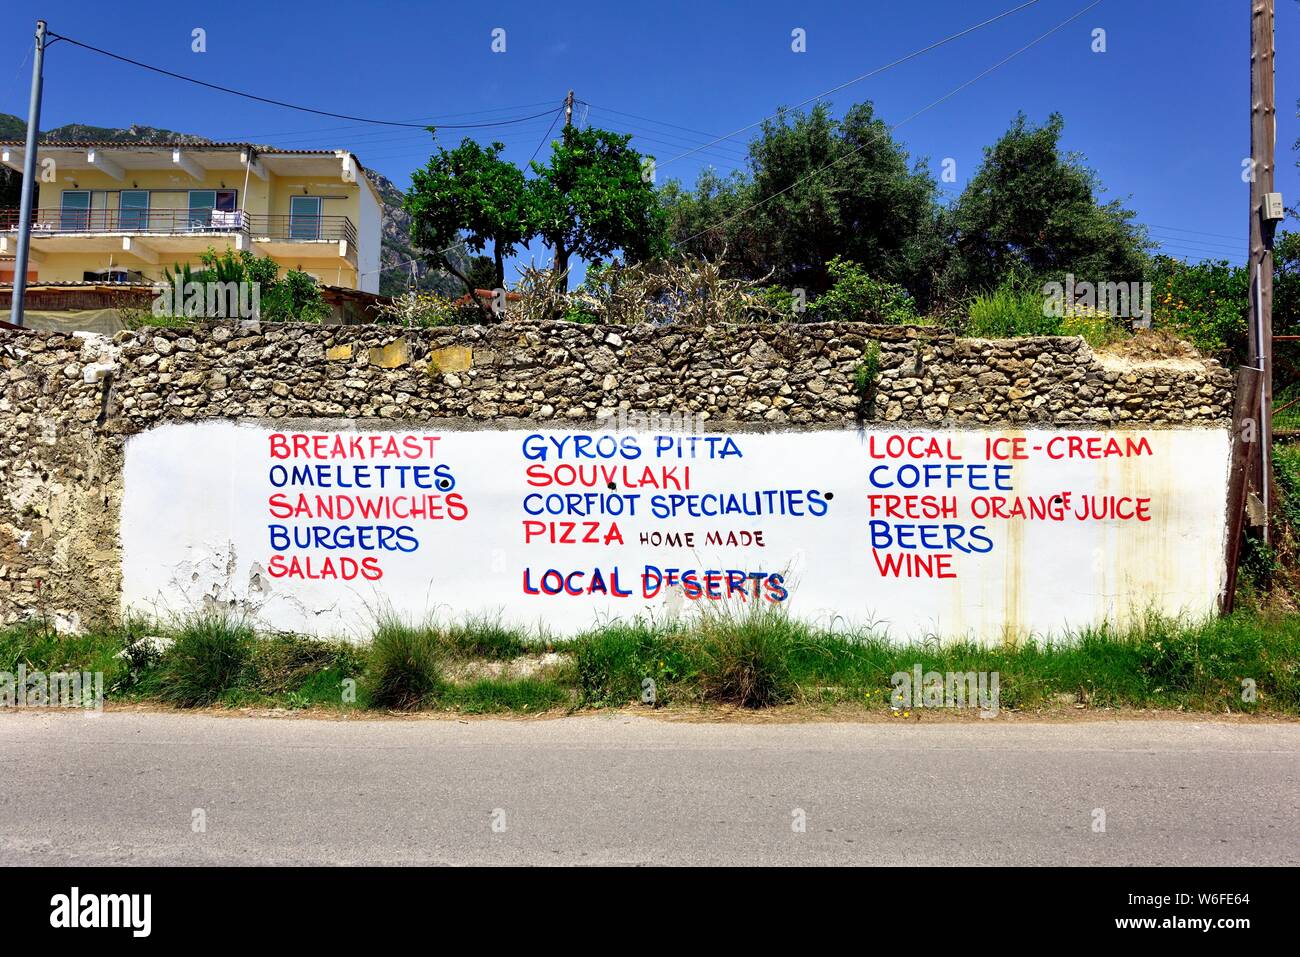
(217,157)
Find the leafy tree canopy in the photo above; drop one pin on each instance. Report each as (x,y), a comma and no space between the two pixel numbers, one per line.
(595,198)
(1032,210)
(469,194)
(818,188)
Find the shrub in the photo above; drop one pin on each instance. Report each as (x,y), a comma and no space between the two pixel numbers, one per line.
(533,694)
(1009,311)
(613,662)
(1205,303)
(857,297)
(687,290)
(581,314)
(207,658)
(1094,326)
(867,372)
(778,304)
(541,298)
(423,310)
(134,318)
(405,666)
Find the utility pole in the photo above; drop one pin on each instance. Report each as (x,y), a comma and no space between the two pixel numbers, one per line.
(568,110)
(1263,135)
(28,187)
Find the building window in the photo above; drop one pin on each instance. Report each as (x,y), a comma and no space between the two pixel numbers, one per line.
(204,201)
(133,209)
(75,211)
(304,217)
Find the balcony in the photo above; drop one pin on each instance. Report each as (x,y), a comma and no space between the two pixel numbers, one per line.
(69,242)
(256,227)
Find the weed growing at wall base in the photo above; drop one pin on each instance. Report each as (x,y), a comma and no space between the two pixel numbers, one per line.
(1245,663)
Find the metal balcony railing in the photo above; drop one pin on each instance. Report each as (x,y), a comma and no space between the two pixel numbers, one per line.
(296,228)
(185,222)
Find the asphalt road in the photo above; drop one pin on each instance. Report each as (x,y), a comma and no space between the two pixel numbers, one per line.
(130,788)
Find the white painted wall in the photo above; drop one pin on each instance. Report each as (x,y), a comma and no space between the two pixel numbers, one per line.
(369,238)
(195,521)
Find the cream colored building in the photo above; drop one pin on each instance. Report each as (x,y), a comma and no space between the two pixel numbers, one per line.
(113,212)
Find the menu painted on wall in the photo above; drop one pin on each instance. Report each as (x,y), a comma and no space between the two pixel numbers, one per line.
(908,532)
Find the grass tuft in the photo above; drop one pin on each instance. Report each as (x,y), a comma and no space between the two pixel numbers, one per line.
(405,665)
(747,657)
(483,637)
(208,658)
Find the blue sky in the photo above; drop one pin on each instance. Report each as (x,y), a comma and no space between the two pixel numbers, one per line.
(1162,115)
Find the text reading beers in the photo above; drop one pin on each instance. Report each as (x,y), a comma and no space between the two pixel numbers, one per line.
(369,488)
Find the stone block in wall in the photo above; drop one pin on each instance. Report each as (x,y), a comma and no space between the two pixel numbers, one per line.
(392,356)
(451,359)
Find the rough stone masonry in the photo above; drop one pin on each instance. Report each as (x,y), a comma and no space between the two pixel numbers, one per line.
(70,400)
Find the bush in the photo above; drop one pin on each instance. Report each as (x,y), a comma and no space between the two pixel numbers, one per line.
(1010,311)
(207,658)
(522,694)
(1205,303)
(778,304)
(295,298)
(284,664)
(581,314)
(856,297)
(405,666)
(686,290)
(613,662)
(424,310)
(867,371)
(1094,326)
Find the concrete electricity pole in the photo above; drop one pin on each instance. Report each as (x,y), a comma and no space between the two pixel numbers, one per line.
(1265,212)
(568,110)
(23,252)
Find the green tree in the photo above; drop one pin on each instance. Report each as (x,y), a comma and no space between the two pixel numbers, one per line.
(708,222)
(844,188)
(818,188)
(594,198)
(470,195)
(1031,210)
(482,273)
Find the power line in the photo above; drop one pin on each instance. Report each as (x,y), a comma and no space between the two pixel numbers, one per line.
(685,129)
(545,136)
(282,103)
(1178,229)
(929,106)
(878,70)
(721,159)
(676,141)
(27,52)
(433,120)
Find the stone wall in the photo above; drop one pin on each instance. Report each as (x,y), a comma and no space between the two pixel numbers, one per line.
(67,402)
